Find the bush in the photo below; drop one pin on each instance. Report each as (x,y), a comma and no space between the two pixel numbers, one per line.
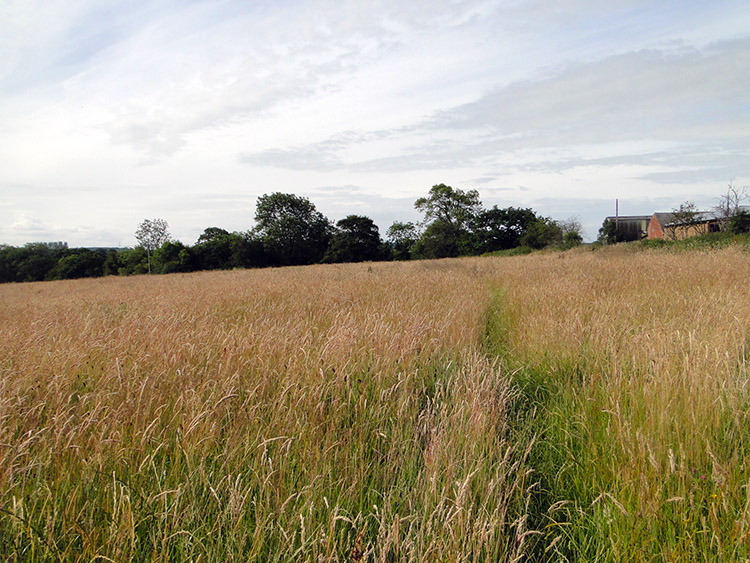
(739,223)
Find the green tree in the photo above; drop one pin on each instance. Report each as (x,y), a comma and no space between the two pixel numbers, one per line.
(739,222)
(213,250)
(610,232)
(448,215)
(133,261)
(402,237)
(291,229)
(572,231)
(112,263)
(356,239)
(247,251)
(8,263)
(171,257)
(212,233)
(151,234)
(440,240)
(730,205)
(501,229)
(36,260)
(79,263)
(219,249)
(31,262)
(572,239)
(541,233)
(447,205)
(684,217)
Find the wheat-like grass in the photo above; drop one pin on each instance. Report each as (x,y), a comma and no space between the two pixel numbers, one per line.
(582,405)
(648,355)
(320,413)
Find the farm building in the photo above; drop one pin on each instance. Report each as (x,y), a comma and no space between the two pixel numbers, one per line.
(630,227)
(666,225)
(657,225)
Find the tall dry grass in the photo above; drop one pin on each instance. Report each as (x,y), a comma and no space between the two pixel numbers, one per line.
(338,413)
(579,406)
(638,364)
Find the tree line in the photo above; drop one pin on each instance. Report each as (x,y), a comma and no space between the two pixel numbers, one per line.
(289,230)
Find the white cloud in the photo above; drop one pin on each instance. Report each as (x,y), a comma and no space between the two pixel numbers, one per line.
(113,111)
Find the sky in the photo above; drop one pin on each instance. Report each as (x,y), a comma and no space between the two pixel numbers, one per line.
(114,111)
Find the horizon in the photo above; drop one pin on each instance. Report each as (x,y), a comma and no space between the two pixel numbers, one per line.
(65,244)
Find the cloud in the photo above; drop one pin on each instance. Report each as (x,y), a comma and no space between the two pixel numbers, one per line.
(640,108)
(336,202)
(323,155)
(26,227)
(681,97)
(691,175)
(186,78)
(120,110)
(485,180)
(26,223)
(47,42)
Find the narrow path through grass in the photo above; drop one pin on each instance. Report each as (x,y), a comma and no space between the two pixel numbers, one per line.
(636,399)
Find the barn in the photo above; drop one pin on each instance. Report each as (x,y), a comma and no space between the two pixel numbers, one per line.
(667,225)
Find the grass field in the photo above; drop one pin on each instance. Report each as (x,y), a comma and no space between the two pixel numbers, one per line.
(585,406)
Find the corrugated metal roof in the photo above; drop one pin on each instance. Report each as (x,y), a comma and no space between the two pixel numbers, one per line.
(663,218)
(699,217)
(629,218)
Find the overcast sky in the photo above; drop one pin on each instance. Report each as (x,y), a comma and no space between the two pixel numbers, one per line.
(116,111)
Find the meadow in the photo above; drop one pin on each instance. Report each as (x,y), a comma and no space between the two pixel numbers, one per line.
(582,406)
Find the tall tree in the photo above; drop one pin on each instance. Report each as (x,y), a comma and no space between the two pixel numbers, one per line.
(78,263)
(402,237)
(542,232)
(501,229)
(212,251)
(448,215)
(356,239)
(448,205)
(291,229)
(610,232)
(219,249)
(572,231)
(441,239)
(685,219)
(730,205)
(212,233)
(151,234)
(171,257)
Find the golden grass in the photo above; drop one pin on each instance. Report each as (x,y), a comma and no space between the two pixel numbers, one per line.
(292,414)
(355,412)
(649,354)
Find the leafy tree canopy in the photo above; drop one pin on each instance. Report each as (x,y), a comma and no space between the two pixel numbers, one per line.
(610,233)
(449,214)
(172,256)
(292,230)
(212,233)
(402,237)
(356,239)
(501,229)
(455,207)
(440,239)
(739,222)
(541,233)
(151,234)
